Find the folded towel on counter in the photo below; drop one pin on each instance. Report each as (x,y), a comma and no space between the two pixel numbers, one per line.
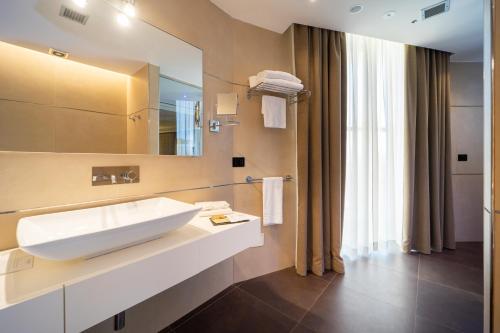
(269,74)
(294,86)
(272,200)
(274,111)
(211,205)
(205,213)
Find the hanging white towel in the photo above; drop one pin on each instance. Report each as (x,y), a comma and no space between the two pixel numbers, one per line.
(274,111)
(272,200)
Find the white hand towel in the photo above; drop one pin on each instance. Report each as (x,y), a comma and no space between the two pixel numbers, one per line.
(273,200)
(274,111)
(225,211)
(212,205)
(269,74)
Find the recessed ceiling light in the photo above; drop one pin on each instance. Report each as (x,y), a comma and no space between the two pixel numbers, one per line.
(389,14)
(356,9)
(80,3)
(129,9)
(58,53)
(123,20)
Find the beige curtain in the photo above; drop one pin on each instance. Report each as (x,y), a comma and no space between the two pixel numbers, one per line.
(320,61)
(428,213)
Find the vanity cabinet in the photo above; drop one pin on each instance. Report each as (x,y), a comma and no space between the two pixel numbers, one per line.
(83,293)
(44,313)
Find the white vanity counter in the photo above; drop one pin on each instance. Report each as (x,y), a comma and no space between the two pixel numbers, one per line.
(74,295)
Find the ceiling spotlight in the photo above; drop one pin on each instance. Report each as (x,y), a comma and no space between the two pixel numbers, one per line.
(123,20)
(59,53)
(129,8)
(389,14)
(80,3)
(356,9)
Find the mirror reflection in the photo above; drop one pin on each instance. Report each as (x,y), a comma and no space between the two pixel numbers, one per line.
(92,79)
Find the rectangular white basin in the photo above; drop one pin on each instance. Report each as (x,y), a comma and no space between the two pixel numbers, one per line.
(94,231)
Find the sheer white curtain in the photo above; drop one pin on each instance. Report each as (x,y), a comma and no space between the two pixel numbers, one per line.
(187,133)
(373,214)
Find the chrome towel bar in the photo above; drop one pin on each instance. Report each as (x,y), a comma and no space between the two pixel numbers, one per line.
(250,179)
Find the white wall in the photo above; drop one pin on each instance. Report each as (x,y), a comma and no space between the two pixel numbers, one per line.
(467,138)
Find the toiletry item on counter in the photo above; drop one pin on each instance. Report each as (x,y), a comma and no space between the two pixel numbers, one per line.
(213,212)
(212,205)
(229,219)
(274,111)
(272,200)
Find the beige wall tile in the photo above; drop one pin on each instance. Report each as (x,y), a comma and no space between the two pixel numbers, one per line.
(26,75)
(89,132)
(90,88)
(26,127)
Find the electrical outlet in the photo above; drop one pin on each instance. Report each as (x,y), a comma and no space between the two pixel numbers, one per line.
(238,162)
(15,260)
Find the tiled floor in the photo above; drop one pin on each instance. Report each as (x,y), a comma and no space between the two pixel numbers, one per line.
(387,292)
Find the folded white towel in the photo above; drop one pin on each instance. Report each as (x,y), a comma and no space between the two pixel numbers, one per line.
(205,213)
(211,205)
(272,200)
(293,86)
(269,74)
(274,111)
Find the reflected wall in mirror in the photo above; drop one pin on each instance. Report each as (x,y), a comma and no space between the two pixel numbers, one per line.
(113,87)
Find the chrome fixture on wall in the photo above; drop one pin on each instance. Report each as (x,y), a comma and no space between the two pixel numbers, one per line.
(115,175)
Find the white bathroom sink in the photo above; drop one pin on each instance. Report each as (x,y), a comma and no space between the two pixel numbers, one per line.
(94,231)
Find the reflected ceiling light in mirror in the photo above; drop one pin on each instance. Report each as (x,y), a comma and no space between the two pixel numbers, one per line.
(356,9)
(123,20)
(389,14)
(80,3)
(129,8)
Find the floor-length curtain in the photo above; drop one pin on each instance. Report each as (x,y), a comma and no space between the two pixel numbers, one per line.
(373,215)
(320,61)
(428,213)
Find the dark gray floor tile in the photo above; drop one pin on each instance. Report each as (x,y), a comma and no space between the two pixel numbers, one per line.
(435,269)
(454,308)
(406,263)
(345,310)
(380,283)
(198,309)
(301,329)
(286,291)
(467,253)
(238,311)
(423,325)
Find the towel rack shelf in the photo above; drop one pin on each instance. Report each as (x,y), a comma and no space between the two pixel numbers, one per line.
(251,180)
(291,95)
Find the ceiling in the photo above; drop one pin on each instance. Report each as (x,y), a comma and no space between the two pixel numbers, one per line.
(101,42)
(459,31)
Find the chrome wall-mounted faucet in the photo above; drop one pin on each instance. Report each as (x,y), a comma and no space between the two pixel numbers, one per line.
(115,175)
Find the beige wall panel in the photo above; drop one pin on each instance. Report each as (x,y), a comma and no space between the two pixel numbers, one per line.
(26,127)
(90,88)
(26,75)
(89,132)
(268,152)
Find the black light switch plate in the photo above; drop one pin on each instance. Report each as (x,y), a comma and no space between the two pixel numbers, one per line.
(462,157)
(238,162)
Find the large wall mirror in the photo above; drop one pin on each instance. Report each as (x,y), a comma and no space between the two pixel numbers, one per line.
(85,77)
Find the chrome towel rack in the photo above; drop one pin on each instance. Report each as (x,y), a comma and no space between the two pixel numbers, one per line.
(251,180)
(291,95)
